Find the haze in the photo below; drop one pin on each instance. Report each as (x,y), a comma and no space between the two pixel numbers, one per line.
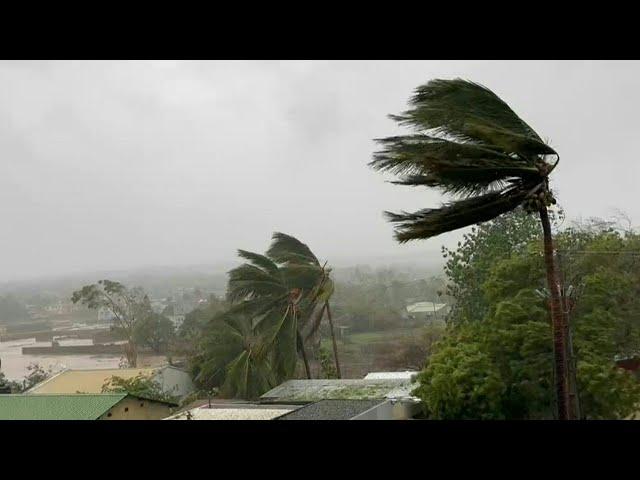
(117,165)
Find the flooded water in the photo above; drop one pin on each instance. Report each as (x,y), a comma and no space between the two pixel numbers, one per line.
(14,363)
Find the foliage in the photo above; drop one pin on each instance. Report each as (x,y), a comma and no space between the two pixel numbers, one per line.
(141,385)
(236,355)
(326,363)
(154,331)
(36,375)
(12,310)
(470,144)
(255,344)
(500,366)
(467,266)
(129,307)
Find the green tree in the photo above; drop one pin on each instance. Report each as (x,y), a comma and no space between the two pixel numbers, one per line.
(129,307)
(141,385)
(469,264)
(511,347)
(236,354)
(469,143)
(287,280)
(274,300)
(12,310)
(154,331)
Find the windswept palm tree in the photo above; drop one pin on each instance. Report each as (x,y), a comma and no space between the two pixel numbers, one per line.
(291,252)
(235,353)
(468,142)
(290,281)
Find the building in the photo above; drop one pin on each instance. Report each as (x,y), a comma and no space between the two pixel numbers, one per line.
(429,311)
(406,375)
(172,380)
(386,396)
(234,411)
(332,410)
(104,406)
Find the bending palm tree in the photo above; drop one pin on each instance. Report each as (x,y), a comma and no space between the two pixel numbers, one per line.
(292,252)
(469,143)
(289,281)
(235,353)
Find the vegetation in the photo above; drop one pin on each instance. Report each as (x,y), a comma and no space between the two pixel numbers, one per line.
(497,362)
(12,310)
(141,385)
(36,375)
(130,307)
(470,144)
(154,331)
(277,302)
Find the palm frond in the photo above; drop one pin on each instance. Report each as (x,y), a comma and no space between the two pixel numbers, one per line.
(458,214)
(260,261)
(469,112)
(248,281)
(287,249)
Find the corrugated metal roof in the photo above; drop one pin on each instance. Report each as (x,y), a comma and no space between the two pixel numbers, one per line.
(425,307)
(231,413)
(407,375)
(57,407)
(331,410)
(301,391)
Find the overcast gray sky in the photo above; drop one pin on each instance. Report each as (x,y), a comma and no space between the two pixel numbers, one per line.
(112,165)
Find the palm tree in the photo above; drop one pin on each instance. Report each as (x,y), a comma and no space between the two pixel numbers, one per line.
(468,142)
(288,280)
(291,252)
(261,286)
(235,353)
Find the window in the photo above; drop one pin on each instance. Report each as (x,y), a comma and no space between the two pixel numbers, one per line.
(126,409)
(109,414)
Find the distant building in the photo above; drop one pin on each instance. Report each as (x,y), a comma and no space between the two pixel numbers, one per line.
(429,311)
(172,380)
(406,375)
(105,315)
(104,406)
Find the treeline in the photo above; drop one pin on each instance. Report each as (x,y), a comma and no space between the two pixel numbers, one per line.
(496,359)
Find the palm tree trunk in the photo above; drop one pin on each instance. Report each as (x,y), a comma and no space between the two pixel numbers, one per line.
(304,354)
(557,321)
(333,339)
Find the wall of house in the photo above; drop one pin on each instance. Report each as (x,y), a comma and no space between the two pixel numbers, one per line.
(174,381)
(131,408)
(390,411)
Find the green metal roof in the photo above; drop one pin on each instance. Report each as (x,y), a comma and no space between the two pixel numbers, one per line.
(57,407)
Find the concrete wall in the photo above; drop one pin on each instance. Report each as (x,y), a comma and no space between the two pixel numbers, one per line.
(174,381)
(132,408)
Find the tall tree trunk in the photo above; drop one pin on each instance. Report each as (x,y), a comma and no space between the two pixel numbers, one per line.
(304,353)
(557,321)
(131,353)
(333,339)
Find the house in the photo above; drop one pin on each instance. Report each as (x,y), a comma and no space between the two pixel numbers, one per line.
(332,410)
(430,311)
(103,406)
(234,411)
(173,381)
(406,375)
(387,397)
